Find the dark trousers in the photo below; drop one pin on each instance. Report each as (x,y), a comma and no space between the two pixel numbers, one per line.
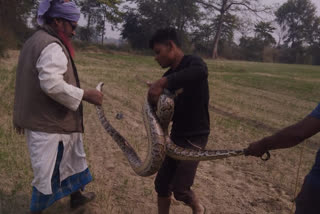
(178,176)
(308,200)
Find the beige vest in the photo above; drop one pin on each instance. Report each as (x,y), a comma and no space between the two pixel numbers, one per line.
(33,109)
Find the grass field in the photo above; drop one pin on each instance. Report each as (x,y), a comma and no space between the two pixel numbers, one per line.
(247,102)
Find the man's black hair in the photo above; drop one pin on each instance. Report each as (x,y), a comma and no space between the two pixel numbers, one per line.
(162,36)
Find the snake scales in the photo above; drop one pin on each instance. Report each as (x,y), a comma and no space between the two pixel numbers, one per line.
(160,144)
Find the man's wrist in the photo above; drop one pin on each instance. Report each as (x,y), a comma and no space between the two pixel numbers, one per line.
(266,145)
(85,95)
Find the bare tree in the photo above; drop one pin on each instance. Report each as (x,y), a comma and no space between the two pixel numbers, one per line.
(222,7)
(98,13)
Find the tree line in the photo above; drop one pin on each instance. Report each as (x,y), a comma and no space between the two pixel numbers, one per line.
(231,29)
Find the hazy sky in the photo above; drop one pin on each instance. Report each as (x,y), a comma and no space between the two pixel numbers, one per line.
(116,34)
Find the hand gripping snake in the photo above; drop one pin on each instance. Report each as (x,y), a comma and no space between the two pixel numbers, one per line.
(159,143)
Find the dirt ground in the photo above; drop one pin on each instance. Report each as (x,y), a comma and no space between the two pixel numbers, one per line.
(232,186)
(237,185)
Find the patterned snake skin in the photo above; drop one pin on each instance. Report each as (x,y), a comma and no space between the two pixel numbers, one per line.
(160,144)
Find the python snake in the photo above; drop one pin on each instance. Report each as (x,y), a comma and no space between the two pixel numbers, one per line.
(160,144)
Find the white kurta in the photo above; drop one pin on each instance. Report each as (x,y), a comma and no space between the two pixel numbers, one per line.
(43,147)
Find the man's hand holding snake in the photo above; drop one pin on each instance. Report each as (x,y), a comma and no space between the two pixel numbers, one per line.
(156,89)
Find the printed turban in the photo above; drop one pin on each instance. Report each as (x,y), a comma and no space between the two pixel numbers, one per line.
(58,9)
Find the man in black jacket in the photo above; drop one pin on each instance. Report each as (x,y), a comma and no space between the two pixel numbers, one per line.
(191,125)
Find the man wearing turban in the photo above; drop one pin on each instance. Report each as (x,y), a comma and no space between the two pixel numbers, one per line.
(48,108)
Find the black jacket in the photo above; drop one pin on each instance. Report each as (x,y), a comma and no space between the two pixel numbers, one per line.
(191,115)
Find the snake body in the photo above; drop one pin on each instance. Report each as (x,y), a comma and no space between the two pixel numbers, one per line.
(160,144)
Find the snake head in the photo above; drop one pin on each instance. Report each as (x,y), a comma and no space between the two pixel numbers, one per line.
(99,86)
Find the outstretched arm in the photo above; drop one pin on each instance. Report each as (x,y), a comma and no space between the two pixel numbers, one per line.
(287,137)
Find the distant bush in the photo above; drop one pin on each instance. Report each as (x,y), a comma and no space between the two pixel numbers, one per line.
(316,57)
(268,54)
(2,48)
(123,47)
(81,45)
(286,55)
(229,50)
